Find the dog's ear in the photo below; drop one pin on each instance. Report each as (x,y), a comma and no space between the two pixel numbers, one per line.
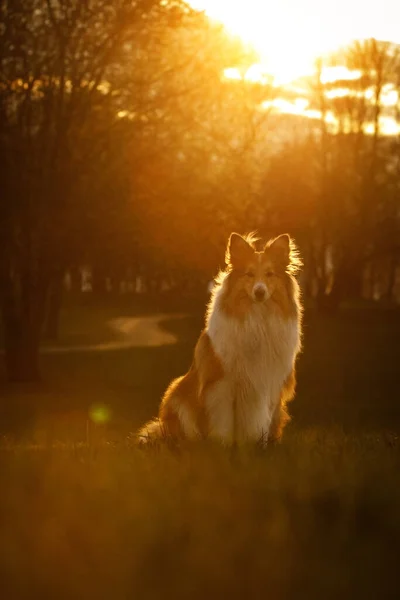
(281,247)
(286,253)
(238,252)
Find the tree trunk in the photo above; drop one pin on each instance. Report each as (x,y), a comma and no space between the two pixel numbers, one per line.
(54,301)
(23,311)
(21,348)
(99,277)
(347,283)
(391,278)
(76,280)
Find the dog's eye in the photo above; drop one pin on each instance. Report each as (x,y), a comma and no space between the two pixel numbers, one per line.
(269,273)
(249,274)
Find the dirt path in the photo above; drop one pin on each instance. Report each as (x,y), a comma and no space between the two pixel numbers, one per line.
(131,332)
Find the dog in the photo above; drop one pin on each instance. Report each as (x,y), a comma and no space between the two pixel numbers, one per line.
(243,371)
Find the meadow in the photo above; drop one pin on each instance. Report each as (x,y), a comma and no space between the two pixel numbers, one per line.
(85,514)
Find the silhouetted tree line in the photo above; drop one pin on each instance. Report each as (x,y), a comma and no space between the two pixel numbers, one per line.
(123,146)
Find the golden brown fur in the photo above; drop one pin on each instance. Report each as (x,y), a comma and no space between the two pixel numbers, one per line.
(257,288)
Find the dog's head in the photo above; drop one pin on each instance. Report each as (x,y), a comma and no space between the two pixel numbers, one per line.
(262,274)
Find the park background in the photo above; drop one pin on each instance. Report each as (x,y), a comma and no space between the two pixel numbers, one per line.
(134,138)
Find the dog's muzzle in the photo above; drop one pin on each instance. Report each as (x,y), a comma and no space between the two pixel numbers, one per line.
(259,293)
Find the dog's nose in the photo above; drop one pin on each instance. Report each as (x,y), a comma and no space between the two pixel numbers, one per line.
(259,294)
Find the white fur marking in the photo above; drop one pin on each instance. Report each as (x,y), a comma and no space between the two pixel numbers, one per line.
(257,356)
(187,422)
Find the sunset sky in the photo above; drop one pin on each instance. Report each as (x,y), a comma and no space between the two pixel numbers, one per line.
(289,34)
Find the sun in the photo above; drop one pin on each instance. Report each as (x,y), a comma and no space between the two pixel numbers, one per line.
(286,37)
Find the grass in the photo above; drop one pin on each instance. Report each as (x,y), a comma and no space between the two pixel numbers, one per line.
(317,517)
(85,515)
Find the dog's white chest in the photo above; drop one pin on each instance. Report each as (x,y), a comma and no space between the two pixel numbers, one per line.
(257,355)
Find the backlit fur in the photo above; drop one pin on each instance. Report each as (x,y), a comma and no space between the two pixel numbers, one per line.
(243,371)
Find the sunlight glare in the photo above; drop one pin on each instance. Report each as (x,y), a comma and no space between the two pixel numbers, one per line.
(331,74)
(387,127)
(287,45)
(256,74)
(232,73)
(289,35)
(390,96)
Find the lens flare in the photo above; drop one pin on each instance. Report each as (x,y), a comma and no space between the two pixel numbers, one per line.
(100,414)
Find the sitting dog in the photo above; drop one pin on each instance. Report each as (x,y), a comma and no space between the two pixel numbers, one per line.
(243,371)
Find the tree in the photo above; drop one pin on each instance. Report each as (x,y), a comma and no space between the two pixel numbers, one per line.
(201,178)
(59,66)
(353,161)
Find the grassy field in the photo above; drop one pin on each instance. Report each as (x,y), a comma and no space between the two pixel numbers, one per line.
(85,515)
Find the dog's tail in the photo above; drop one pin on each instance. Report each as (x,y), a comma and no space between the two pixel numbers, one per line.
(153,432)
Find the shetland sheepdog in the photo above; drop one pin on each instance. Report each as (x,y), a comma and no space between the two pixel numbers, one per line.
(243,371)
